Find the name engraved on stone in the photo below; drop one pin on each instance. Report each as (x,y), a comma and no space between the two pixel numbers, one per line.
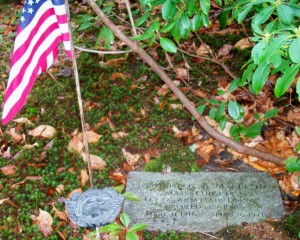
(206,201)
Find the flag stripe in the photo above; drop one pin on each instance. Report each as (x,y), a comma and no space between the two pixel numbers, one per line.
(22,65)
(14,103)
(43,25)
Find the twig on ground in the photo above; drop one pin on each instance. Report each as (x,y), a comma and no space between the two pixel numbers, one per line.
(131,18)
(51,75)
(184,100)
(102,52)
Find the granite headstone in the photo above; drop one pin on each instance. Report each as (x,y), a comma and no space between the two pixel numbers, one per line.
(204,201)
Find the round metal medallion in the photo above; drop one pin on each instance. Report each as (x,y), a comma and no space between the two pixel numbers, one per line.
(95,207)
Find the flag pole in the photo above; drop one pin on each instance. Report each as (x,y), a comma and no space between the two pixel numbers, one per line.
(76,76)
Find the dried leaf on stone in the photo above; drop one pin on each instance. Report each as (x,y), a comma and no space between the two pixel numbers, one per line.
(44,131)
(243,44)
(131,159)
(224,50)
(78,190)
(44,222)
(9,170)
(205,150)
(84,177)
(96,161)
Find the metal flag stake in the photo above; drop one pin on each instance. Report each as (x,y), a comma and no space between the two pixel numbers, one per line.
(95,207)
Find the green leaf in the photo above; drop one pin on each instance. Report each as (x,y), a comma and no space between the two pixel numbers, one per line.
(284,82)
(197,21)
(247,74)
(235,110)
(125,220)
(253,130)
(292,164)
(271,113)
(201,108)
(191,7)
(154,26)
(294,50)
(168,45)
(185,25)
(263,16)
(223,122)
(260,76)
(220,111)
(119,188)
(142,19)
(223,19)
(298,87)
(214,101)
(257,50)
(244,13)
(219,2)
(176,30)
(205,20)
(235,130)
(205,6)
(137,227)
(167,27)
(168,9)
(112,227)
(234,85)
(276,60)
(131,236)
(297,130)
(273,48)
(143,36)
(85,25)
(107,34)
(131,196)
(212,113)
(285,14)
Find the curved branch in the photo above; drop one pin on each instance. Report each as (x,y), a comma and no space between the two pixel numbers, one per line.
(184,100)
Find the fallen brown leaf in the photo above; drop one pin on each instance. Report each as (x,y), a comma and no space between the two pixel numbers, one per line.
(96,162)
(224,50)
(9,170)
(44,222)
(243,44)
(44,131)
(119,135)
(131,159)
(75,144)
(84,177)
(203,50)
(3,200)
(61,215)
(181,73)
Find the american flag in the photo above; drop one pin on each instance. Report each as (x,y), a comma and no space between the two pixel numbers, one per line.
(43,25)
